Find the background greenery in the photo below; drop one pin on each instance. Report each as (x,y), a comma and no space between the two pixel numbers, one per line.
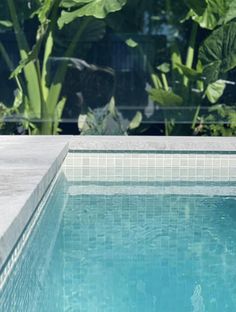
(118,67)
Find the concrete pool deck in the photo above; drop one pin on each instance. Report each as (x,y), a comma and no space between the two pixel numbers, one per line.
(29,164)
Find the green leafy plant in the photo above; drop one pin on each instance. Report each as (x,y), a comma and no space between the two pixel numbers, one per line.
(107,121)
(96,8)
(220,121)
(9,114)
(187,84)
(42,96)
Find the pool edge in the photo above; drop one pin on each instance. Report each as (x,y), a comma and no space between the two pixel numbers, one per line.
(10,236)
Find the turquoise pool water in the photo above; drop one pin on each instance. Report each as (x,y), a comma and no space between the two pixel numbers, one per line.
(127,252)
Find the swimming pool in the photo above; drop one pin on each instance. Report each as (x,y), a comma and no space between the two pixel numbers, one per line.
(131,232)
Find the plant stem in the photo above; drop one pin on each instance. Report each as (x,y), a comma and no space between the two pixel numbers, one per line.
(196,116)
(49,46)
(156,81)
(47,128)
(44,113)
(175,53)
(6,57)
(191,50)
(165,82)
(21,40)
(55,89)
(30,69)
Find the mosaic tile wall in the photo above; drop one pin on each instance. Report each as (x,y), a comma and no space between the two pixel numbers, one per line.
(150,167)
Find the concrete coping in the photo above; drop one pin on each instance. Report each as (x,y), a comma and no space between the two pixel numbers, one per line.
(154,144)
(27,168)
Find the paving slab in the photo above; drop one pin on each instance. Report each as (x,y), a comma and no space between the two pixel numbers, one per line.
(155,143)
(27,167)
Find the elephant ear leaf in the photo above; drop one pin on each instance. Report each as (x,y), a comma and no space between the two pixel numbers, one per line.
(164,68)
(190,73)
(165,98)
(210,14)
(231,14)
(218,53)
(96,8)
(136,121)
(215,90)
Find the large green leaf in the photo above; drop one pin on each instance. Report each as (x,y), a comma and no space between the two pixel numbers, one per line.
(231,13)
(95,8)
(165,98)
(218,52)
(213,14)
(164,68)
(136,121)
(190,73)
(30,70)
(33,54)
(215,90)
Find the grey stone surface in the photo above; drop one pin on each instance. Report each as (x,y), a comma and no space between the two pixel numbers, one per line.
(155,143)
(27,166)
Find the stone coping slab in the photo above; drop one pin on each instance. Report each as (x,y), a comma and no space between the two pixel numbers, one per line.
(155,143)
(27,167)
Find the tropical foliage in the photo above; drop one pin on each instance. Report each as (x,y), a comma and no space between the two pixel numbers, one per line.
(41,94)
(107,121)
(189,79)
(199,78)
